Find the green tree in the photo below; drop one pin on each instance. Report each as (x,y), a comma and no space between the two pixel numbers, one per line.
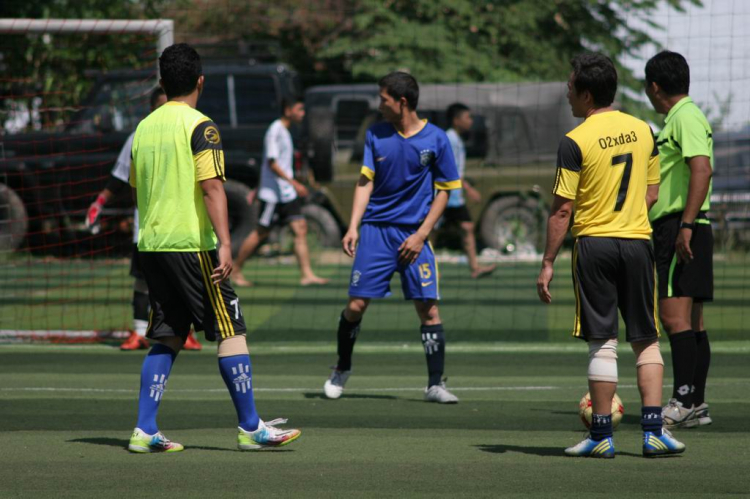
(53,66)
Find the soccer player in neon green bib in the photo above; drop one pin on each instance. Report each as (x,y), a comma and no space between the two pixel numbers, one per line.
(177,175)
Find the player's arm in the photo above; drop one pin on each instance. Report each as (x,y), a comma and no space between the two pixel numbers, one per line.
(411,248)
(362,193)
(208,157)
(298,186)
(569,165)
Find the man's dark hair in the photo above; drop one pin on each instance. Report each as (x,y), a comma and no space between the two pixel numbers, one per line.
(399,84)
(454,111)
(155,94)
(180,68)
(670,71)
(596,74)
(289,102)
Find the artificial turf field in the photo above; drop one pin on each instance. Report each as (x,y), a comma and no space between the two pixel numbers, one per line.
(67,411)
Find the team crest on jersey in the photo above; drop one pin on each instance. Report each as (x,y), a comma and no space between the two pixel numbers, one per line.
(212,135)
(356,275)
(426,157)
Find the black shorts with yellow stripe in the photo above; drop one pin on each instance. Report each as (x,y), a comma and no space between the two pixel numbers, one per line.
(182,294)
(611,273)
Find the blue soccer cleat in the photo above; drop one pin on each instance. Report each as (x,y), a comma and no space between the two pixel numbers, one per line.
(664,445)
(603,449)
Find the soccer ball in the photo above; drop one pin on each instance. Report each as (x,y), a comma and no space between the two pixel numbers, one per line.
(585,411)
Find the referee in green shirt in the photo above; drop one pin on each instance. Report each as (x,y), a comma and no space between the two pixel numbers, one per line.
(683,240)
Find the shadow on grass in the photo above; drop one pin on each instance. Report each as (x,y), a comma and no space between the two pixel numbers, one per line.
(316,395)
(535,451)
(123,444)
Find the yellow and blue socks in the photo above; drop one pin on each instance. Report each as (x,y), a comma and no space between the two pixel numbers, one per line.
(154,374)
(433,341)
(651,420)
(347,336)
(684,355)
(237,375)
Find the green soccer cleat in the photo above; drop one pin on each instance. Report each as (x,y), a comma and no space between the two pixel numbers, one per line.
(663,445)
(141,442)
(267,436)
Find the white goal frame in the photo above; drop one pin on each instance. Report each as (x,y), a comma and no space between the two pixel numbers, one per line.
(162,28)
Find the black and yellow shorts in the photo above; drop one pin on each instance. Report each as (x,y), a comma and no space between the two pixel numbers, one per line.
(182,294)
(611,273)
(694,279)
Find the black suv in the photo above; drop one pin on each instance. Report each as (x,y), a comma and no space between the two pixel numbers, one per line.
(47,180)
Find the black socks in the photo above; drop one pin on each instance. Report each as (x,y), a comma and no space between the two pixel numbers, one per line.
(684,353)
(433,341)
(347,335)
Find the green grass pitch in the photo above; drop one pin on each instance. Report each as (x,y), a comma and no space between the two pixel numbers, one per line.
(67,411)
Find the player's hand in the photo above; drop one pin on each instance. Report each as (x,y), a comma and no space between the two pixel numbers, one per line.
(94,213)
(224,269)
(349,242)
(473,194)
(411,248)
(543,282)
(301,189)
(682,246)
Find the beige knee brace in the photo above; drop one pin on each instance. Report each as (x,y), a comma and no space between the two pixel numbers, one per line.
(603,360)
(647,353)
(234,345)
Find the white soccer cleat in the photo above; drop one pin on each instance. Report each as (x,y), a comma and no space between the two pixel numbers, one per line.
(700,417)
(266,436)
(440,394)
(675,415)
(334,386)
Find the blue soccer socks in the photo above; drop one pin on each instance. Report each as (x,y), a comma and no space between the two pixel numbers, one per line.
(154,375)
(601,426)
(651,420)
(237,375)
(433,341)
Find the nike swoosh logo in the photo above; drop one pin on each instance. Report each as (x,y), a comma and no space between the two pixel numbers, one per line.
(425,284)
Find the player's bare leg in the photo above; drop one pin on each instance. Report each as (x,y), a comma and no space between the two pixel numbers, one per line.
(248,248)
(676,316)
(347,333)
(433,341)
(470,248)
(301,251)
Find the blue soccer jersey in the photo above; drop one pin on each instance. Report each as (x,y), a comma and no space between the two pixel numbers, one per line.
(405,172)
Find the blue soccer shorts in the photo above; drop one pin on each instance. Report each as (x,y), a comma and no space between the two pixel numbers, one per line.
(377,259)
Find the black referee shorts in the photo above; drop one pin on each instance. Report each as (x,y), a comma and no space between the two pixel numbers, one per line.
(611,273)
(181,294)
(694,279)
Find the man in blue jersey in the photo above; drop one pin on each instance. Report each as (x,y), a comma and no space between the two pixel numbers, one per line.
(406,160)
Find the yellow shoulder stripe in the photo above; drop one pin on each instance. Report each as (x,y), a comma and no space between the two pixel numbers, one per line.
(368,172)
(448,186)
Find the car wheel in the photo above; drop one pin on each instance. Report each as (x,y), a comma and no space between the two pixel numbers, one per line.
(242,212)
(14,221)
(512,224)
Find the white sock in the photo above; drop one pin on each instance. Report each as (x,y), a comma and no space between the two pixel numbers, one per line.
(140,327)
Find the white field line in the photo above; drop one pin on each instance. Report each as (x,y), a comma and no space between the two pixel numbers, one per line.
(300,390)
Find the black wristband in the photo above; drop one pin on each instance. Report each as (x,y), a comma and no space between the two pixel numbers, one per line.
(686,225)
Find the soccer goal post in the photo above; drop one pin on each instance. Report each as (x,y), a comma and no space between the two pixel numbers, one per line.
(162,28)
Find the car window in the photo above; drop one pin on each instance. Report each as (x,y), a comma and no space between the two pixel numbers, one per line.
(349,117)
(117,106)
(214,101)
(257,100)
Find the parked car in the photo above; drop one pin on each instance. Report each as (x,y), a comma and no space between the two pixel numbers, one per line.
(47,180)
(730,198)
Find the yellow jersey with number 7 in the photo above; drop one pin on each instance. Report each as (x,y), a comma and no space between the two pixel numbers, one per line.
(605,165)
